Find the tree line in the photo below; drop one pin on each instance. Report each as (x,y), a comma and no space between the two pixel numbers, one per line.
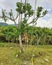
(31,35)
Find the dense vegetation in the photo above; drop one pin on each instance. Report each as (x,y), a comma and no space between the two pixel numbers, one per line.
(31,35)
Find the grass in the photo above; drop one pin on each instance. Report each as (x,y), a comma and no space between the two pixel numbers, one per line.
(10,54)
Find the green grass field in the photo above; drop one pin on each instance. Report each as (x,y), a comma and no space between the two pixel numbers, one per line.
(10,54)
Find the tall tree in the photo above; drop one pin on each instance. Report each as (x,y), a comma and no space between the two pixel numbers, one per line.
(24,12)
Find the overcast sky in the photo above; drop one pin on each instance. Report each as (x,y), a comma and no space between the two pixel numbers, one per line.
(46,4)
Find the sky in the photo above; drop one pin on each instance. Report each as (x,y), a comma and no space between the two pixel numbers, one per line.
(46,21)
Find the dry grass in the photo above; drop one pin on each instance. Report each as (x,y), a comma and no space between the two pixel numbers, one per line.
(10,55)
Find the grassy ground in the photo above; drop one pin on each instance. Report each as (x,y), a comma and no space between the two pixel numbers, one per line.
(10,55)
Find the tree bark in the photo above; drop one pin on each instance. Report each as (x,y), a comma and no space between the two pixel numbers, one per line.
(38,41)
(20,41)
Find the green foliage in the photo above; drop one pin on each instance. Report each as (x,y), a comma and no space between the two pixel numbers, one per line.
(19,7)
(45,12)
(40,12)
(3,15)
(11,33)
(39,9)
(11,13)
(24,8)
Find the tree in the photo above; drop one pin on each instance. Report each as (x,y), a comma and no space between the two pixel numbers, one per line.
(26,10)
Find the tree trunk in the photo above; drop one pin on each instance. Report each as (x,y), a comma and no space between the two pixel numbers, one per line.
(38,41)
(20,41)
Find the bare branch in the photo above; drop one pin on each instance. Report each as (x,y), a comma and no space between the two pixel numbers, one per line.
(33,21)
(16,16)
